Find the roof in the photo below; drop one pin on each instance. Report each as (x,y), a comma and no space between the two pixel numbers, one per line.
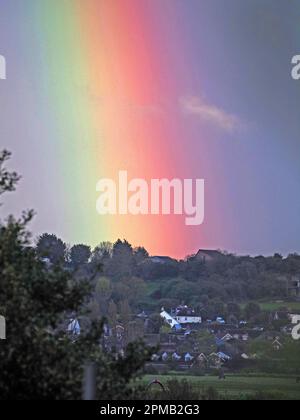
(161,259)
(223,356)
(168,318)
(187,313)
(184,310)
(210,253)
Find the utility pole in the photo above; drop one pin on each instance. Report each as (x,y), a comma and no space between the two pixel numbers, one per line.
(89,382)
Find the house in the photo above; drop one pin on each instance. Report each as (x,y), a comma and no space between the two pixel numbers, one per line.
(233,334)
(221,339)
(245,337)
(224,357)
(215,360)
(169,319)
(186,315)
(119,330)
(73,327)
(220,320)
(142,315)
(277,345)
(207,255)
(176,357)
(202,358)
(155,357)
(227,337)
(245,356)
(161,260)
(188,357)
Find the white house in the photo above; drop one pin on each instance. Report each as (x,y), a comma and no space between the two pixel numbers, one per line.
(169,319)
(155,357)
(176,357)
(186,315)
(188,319)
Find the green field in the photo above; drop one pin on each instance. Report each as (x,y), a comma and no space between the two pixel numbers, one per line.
(236,387)
(277,305)
(274,306)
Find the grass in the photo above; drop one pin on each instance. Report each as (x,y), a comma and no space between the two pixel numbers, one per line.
(235,387)
(277,305)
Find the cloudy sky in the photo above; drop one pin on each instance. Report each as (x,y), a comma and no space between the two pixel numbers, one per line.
(193,88)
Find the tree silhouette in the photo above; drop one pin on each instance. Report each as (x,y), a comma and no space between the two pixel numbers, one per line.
(51,247)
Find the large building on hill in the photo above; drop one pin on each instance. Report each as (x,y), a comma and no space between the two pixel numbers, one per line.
(208,254)
(186,315)
(162,260)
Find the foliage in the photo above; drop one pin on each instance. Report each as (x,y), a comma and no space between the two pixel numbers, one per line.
(52,248)
(80,254)
(38,360)
(8,180)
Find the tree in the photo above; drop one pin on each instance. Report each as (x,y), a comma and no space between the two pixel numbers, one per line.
(205,342)
(132,289)
(135,330)
(140,254)
(125,312)
(8,180)
(102,295)
(80,255)
(33,301)
(102,252)
(122,262)
(154,323)
(234,309)
(112,314)
(51,247)
(252,310)
(38,360)
(94,310)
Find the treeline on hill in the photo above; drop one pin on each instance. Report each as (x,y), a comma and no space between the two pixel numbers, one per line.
(129,280)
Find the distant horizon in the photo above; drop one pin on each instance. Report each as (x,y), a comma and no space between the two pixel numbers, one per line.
(222,251)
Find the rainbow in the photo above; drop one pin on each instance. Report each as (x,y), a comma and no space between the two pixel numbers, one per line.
(109,76)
